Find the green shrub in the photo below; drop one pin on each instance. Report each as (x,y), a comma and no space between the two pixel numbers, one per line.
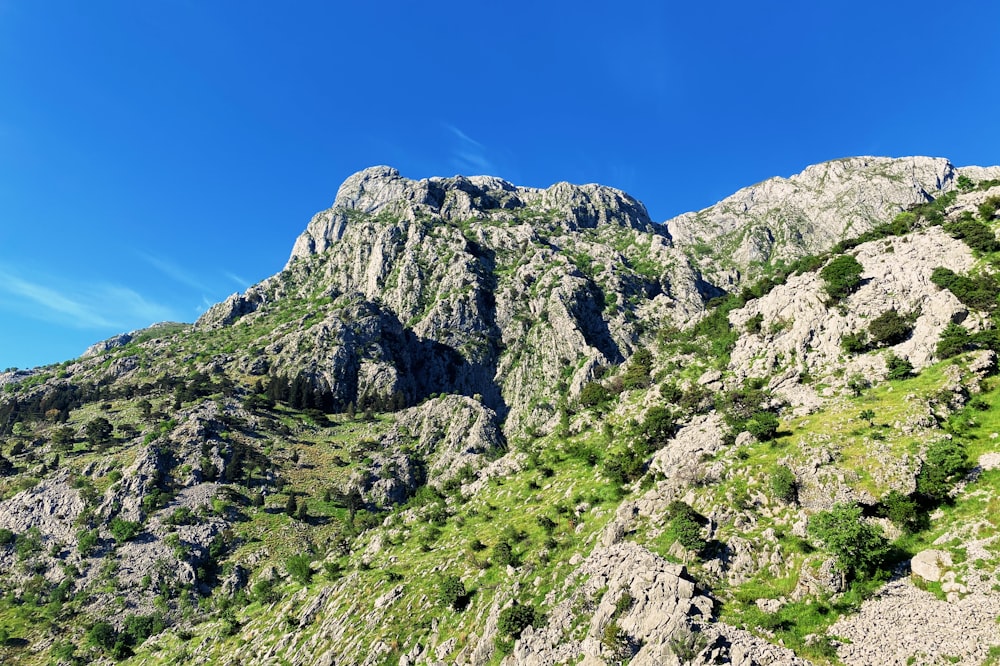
(988,209)
(842,276)
(657,427)
(783,484)
(945,462)
(979,292)
(859,546)
(901,509)
(974,233)
(452,592)
(854,343)
(889,328)
(6,537)
(514,619)
(763,426)
(637,373)
(858,383)
(686,525)
(124,530)
(754,323)
(300,568)
(954,340)
(898,368)
(503,555)
(86,541)
(594,394)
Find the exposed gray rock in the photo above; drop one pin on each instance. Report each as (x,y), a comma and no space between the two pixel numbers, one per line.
(785,218)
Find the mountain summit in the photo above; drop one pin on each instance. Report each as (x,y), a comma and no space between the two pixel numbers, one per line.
(477,423)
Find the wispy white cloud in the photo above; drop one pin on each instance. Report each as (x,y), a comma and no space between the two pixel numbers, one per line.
(243,284)
(463,136)
(468,155)
(82,306)
(175,272)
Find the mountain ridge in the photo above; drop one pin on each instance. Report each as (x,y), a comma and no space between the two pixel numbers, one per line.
(473,423)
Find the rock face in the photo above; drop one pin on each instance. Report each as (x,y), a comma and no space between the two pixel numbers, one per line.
(476,423)
(785,218)
(799,333)
(471,286)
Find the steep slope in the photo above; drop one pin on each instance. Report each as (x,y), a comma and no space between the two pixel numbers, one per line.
(782,219)
(472,286)
(474,423)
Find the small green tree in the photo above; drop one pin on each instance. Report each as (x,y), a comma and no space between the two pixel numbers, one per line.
(898,368)
(868,415)
(685,524)
(842,276)
(99,431)
(124,530)
(763,426)
(858,545)
(784,485)
(300,568)
(953,341)
(514,619)
(503,555)
(902,510)
(944,464)
(889,328)
(63,438)
(593,394)
(857,383)
(452,592)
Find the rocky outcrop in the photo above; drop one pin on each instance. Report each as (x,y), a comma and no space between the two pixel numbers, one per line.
(903,624)
(786,218)
(665,607)
(799,334)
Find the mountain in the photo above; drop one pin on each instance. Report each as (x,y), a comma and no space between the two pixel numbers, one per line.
(478,423)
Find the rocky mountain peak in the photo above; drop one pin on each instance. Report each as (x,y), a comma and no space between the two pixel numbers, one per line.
(382,190)
(786,218)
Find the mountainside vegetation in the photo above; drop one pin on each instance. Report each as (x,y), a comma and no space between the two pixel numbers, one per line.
(476,423)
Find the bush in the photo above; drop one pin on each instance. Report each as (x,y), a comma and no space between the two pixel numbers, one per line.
(637,373)
(854,343)
(124,530)
(763,426)
(300,568)
(99,431)
(657,427)
(901,509)
(842,276)
(898,368)
(944,464)
(86,541)
(979,292)
(857,383)
(888,329)
(975,234)
(685,524)
(754,323)
(452,592)
(503,555)
(593,394)
(514,619)
(783,484)
(954,340)
(988,209)
(858,546)
(6,537)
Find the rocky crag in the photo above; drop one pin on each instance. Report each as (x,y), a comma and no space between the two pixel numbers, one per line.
(475,423)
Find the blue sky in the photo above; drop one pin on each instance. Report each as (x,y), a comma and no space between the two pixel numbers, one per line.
(157,156)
